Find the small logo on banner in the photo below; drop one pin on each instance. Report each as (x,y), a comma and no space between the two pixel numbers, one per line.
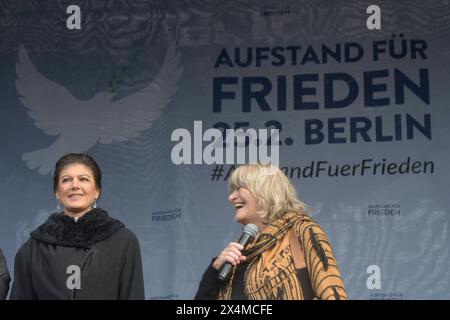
(275,11)
(166,215)
(386,296)
(384,210)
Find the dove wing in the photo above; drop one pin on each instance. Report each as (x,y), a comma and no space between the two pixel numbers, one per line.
(48,102)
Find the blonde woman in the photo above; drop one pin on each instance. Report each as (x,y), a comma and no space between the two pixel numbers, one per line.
(290,259)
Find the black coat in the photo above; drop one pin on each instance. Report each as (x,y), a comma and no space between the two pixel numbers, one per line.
(4,277)
(210,285)
(96,257)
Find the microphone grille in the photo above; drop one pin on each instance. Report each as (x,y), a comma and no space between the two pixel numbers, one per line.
(251,229)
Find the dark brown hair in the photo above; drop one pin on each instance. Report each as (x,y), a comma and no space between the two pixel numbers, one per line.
(77,158)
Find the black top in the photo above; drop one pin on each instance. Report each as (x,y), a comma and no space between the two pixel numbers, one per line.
(210,284)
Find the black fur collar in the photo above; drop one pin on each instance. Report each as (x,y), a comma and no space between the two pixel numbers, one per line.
(60,229)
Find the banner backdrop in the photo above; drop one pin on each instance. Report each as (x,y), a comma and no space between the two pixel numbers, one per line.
(363,116)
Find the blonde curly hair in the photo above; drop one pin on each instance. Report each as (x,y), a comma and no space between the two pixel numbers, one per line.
(274,193)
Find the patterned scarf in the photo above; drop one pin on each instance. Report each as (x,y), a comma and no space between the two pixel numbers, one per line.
(271,272)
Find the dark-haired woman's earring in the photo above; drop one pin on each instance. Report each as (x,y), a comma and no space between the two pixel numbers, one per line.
(58,208)
(95,204)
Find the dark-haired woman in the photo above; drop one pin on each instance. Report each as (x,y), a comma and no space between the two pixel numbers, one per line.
(82,252)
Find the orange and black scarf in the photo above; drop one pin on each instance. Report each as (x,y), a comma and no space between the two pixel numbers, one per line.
(271,273)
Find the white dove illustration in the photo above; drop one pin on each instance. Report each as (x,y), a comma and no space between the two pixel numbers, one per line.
(80,125)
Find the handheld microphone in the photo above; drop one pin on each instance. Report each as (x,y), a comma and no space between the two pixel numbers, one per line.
(250,231)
